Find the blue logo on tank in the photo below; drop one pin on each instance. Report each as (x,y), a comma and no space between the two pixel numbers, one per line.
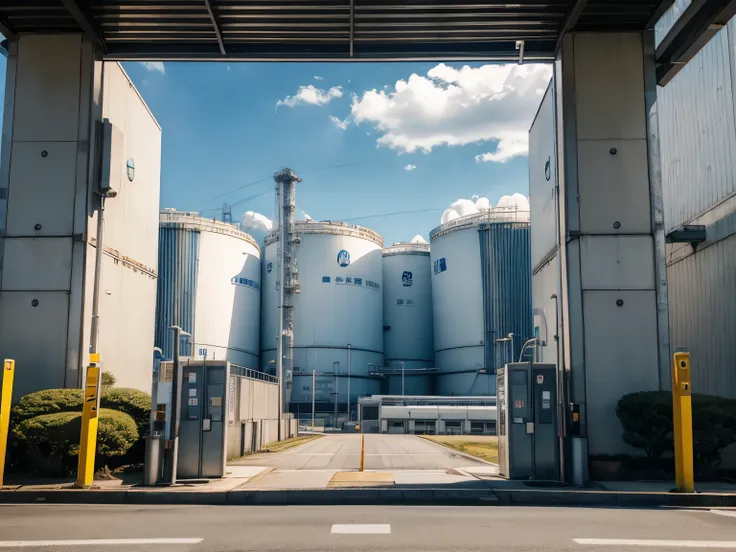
(269,267)
(343,258)
(406,279)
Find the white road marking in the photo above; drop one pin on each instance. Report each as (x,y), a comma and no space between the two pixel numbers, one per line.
(727,513)
(361,529)
(657,543)
(94,542)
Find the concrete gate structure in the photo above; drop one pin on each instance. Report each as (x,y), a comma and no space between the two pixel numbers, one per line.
(606,70)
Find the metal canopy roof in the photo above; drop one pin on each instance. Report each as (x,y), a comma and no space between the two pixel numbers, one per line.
(335,29)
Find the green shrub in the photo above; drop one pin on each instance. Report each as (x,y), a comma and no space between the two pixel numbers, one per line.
(646,418)
(133,402)
(48,401)
(107,380)
(53,439)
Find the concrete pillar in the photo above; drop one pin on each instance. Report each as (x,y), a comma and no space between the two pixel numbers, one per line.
(52,104)
(611,292)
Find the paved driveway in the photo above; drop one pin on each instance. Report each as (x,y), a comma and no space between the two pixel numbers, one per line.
(382,452)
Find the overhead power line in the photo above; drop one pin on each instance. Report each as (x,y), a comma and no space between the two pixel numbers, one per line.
(379,215)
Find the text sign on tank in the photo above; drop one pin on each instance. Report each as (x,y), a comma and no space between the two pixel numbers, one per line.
(440,265)
(406,279)
(343,258)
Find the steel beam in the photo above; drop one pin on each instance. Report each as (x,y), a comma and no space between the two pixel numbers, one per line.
(216,27)
(571,19)
(352,28)
(6,30)
(659,12)
(84,19)
(695,27)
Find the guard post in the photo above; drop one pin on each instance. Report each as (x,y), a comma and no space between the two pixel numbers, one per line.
(682,415)
(90,412)
(7,397)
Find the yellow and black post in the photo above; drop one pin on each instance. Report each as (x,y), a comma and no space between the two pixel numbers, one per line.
(90,412)
(7,397)
(682,410)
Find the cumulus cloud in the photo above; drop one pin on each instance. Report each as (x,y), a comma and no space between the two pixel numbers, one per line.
(410,167)
(311,95)
(154,66)
(514,205)
(256,224)
(342,125)
(419,239)
(455,107)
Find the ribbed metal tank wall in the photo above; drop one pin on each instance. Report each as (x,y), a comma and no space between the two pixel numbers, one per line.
(209,284)
(339,304)
(697,132)
(481,290)
(177,282)
(408,336)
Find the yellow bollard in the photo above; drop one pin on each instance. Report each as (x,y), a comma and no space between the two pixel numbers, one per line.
(7,397)
(362,451)
(682,415)
(90,411)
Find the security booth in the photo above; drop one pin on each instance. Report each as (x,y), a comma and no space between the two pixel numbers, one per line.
(528,446)
(225,411)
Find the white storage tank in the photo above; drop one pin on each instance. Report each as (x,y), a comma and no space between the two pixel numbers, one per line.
(481,292)
(408,335)
(209,284)
(338,316)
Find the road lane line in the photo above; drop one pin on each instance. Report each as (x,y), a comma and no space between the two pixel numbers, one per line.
(727,513)
(653,543)
(95,542)
(361,529)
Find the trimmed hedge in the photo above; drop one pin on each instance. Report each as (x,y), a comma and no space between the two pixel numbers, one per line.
(133,402)
(647,421)
(58,434)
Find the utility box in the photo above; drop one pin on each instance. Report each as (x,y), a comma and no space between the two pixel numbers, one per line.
(528,446)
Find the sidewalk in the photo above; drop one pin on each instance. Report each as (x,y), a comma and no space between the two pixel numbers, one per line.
(474,485)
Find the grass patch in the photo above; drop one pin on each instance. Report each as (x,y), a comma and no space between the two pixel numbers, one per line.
(484,447)
(289,443)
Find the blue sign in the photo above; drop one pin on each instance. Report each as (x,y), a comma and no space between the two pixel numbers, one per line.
(440,265)
(406,279)
(343,258)
(245,282)
(269,267)
(325,279)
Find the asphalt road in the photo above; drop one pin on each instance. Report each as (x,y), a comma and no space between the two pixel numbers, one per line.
(359,528)
(382,452)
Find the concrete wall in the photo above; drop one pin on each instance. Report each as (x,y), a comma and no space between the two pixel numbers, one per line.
(128,279)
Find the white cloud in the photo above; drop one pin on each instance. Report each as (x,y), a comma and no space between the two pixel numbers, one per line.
(419,239)
(154,66)
(338,123)
(256,224)
(228,68)
(509,207)
(311,95)
(410,167)
(455,107)
(317,77)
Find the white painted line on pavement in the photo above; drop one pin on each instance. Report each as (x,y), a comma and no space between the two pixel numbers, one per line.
(727,513)
(361,529)
(94,542)
(652,543)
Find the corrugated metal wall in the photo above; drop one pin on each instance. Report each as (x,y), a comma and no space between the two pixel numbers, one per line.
(669,18)
(697,127)
(698,132)
(505,253)
(178,249)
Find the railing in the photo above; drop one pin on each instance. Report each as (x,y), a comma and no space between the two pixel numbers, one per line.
(495,215)
(250,373)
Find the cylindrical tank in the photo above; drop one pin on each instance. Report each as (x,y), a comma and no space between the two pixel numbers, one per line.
(338,316)
(481,291)
(408,335)
(209,284)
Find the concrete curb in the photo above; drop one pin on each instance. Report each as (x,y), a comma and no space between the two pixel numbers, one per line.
(374,496)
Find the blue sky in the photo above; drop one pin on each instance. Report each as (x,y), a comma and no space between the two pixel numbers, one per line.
(222,129)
